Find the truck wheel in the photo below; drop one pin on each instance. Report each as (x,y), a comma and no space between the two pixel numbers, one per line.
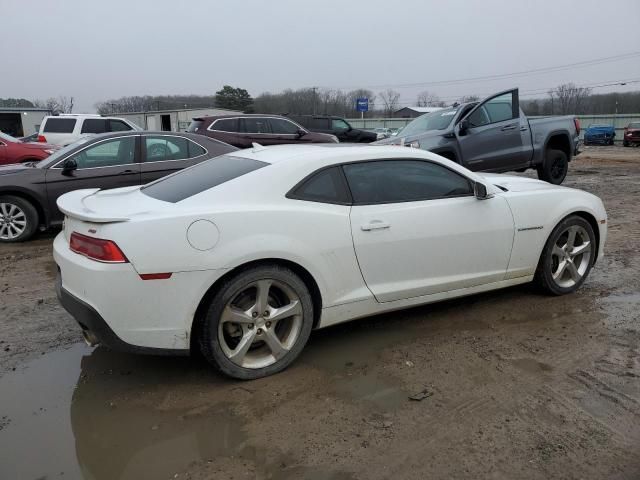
(18,219)
(554,167)
(625,143)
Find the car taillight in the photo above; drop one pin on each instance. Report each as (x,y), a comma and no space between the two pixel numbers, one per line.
(96,248)
(41,138)
(576,122)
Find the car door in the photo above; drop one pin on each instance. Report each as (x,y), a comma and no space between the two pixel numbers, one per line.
(492,139)
(109,163)
(257,129)
(227,130)
(343,130)
(165,154)
(4,146)
(285,131)
(418,229)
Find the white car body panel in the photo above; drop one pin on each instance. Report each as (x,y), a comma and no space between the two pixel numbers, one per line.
(63,139)
(482,245)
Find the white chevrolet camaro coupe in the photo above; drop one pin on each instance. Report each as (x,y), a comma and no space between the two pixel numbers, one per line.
(241,256)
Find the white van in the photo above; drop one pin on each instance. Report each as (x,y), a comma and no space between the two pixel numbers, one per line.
(67,128)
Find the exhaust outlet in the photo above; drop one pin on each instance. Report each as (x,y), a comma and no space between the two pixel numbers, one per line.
(89,338)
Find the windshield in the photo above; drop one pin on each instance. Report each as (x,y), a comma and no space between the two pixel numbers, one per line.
(634,125)
(430,121)
(7,138)
(58,154)
(599,125)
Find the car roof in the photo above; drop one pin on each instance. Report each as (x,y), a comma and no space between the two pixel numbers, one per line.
(238,115)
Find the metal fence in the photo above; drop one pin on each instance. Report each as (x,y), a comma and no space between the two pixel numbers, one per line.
(618,121)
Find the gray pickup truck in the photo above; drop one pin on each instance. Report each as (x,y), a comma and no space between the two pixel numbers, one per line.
(494,135)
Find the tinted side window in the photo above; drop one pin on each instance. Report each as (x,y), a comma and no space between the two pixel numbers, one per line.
(281,126)
(160,148)
(225,125)
(339,124)
(320,123)
(59,125)
(118,126)
(390,181)
(120,151)
(195,150)
(200,177)
(325,186)
(94,125)
(497,109)
(254,125)
(195,125)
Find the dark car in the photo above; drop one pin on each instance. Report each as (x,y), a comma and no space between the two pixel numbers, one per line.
(243,130)
(28,191)
(14,150)
(631,134)
(599,134)
(336,126)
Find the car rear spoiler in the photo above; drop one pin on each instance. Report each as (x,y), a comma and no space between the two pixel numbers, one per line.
(73,205)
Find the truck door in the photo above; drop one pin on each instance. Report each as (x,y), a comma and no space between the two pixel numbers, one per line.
(489,136)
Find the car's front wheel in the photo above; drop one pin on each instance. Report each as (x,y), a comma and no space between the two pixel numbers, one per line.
(567,256)
(18,219)
(257,323)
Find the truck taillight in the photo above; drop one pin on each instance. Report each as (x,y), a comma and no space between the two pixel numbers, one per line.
(96,248)
(577,124)
(42,139)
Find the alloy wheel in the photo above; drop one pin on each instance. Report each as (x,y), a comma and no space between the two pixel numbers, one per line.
(570,256)
(260,324)
(13,221)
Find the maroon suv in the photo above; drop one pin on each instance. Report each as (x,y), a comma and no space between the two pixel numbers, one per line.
(242,130)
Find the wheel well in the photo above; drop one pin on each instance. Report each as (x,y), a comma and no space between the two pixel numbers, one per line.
(31,200)
(560,142)
(594,225)
(302,272)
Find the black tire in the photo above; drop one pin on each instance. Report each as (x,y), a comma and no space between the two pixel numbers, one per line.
(30,215)
(208,334)
(625,143)
(544,272)
(554,168)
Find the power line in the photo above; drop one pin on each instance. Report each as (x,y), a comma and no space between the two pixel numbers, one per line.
(568,66)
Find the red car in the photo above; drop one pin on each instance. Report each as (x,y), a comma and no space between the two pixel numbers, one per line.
(13,150)
(631,134)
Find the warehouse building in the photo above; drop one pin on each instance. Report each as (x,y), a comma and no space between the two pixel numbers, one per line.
(21,121)
(171,120)
(413,112)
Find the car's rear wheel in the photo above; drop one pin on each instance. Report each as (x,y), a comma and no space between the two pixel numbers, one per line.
(18,219)
(554,168)
(257,323)
(567,257)
(625,143)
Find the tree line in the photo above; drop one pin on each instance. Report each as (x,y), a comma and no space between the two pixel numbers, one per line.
(562,100)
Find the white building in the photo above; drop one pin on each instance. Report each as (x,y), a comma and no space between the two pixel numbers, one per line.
(171,120)
(21,121)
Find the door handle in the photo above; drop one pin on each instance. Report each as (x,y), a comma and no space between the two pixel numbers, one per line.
(508,127)
(375,225)
(125,172)
(523,129)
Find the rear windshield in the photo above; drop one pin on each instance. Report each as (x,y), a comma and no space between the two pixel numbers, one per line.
(59,125)
(200,177)
(195,125)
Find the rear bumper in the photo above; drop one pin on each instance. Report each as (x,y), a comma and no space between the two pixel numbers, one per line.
(96,330)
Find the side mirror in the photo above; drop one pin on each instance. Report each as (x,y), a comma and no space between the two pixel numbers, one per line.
(69,165)
(463,127)
(480,191)
(301,133)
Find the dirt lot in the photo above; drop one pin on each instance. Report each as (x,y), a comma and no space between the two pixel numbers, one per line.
(517,385)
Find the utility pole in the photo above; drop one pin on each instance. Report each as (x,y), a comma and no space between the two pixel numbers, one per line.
(315,95)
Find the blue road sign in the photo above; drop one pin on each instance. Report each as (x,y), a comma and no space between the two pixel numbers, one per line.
(362,104)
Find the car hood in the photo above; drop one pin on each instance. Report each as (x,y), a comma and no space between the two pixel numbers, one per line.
(40,146)
(517,184)
(397,139)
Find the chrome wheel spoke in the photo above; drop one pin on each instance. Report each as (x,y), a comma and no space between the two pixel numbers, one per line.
(580,249)
(3,209)
(573,271)
(262,296)
(3,231)
(274,344)
(571,238)
(560,270)
(236,315)
(237,354)
(557,251)
(286,311)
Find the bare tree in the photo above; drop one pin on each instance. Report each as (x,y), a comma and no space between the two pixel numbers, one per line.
(56,105)
(390,99)
(570,98)
(428,99)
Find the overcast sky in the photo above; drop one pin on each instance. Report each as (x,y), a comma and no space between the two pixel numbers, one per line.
(94,50)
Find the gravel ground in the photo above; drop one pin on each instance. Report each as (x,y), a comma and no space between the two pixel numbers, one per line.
(513,384)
